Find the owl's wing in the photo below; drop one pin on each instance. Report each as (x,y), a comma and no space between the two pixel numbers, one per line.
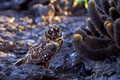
(41,54)
(29,53)
(36,47)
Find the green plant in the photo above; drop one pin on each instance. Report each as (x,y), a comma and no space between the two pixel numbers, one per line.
(85,1)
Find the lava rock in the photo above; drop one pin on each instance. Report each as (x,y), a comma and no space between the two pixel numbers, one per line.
(40,10)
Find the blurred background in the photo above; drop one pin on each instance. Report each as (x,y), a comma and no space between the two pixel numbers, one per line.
(22,23)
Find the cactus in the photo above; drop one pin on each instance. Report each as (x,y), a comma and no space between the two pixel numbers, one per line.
(104,40)
(117,32)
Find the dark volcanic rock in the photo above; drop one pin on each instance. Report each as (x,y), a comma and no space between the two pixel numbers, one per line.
(25,72)
(24,29)
(41,10)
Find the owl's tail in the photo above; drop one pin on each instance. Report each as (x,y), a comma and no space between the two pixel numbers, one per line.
(19,62)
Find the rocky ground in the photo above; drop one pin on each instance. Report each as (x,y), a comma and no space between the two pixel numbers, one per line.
(19,29)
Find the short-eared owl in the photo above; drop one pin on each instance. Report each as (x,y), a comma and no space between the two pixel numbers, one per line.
(43,50)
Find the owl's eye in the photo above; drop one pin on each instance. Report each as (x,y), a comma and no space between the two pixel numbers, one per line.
(50,31)
(57,29)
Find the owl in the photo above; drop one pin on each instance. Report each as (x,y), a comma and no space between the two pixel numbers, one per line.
(45,49)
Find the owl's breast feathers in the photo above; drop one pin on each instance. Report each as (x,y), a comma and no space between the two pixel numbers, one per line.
(42,52)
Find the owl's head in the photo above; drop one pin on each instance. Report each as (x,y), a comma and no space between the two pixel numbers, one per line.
(53,32)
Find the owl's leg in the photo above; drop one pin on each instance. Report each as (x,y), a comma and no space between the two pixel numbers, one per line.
(46,66)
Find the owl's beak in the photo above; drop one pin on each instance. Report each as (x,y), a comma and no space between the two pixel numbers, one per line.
(55,34)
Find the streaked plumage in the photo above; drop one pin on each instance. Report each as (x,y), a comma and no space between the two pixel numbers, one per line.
(42,51)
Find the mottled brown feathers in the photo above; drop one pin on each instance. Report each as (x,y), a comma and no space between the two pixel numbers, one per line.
(43,50)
